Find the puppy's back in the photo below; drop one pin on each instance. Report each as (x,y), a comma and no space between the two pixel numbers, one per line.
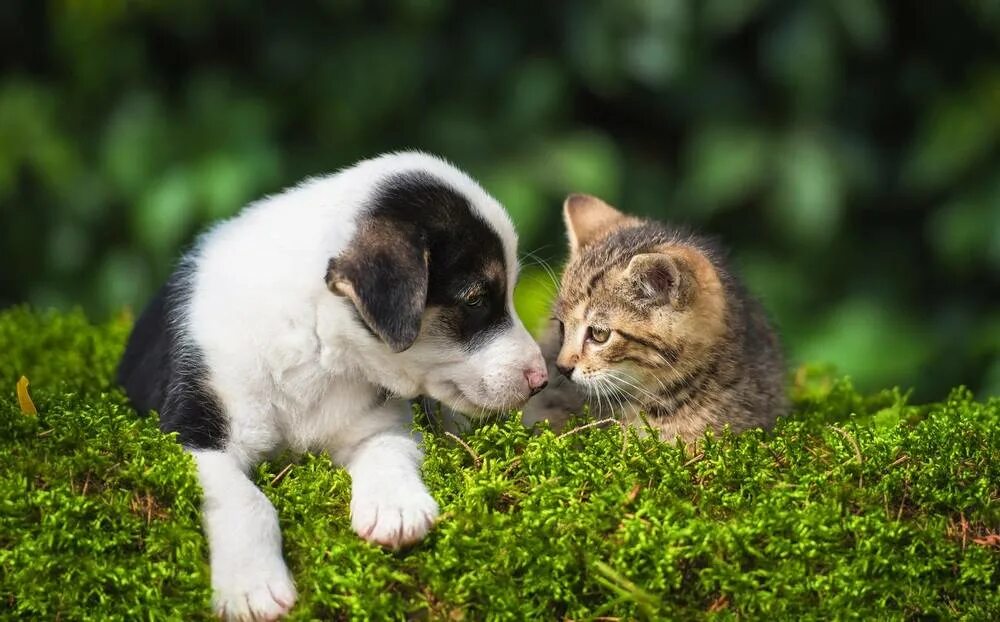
(162,370)
(147,354)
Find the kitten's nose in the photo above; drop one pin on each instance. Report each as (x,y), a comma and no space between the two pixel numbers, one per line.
(537,379)
(565,371)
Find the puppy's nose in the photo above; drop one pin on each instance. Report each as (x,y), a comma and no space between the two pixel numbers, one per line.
(537,379)
(565,371)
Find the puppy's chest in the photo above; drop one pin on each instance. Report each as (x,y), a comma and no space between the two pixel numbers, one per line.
(313,409)
(316,391)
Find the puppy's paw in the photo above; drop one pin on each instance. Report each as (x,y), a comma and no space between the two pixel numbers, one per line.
(253,593)
(393,516)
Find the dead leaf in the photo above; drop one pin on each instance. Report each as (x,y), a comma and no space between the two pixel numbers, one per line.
(992,539)
(719,604)
(23,398)
(632,494)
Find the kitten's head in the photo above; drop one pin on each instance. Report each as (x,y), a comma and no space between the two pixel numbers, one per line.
(639,307)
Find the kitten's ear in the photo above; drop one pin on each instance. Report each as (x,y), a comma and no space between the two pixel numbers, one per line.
(384,273)
(587,219)
(660,278)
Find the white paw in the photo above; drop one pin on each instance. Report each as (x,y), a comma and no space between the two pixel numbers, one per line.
(393,515)
(253,594)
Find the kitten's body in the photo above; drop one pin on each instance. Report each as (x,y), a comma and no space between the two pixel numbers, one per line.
(683,342)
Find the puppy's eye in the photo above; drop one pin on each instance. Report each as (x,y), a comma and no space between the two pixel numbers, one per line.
(475,300)
(598,335)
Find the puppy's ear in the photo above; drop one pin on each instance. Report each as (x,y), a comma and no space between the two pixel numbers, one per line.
(384,273)
(588,219)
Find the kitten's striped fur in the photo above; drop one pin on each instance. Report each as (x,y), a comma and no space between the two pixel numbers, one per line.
(688,346)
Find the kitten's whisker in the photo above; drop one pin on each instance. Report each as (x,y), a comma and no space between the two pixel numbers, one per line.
(681,377)
(669,364)
(600,401)
(604,396)
(638,382)
(632,397)
(663,387)
(600,398)
(614,392)
(552,284)
(645,392)
(540,248)
(545,266)
(617,394)
(595,408)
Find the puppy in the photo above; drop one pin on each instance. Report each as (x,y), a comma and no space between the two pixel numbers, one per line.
(307,322)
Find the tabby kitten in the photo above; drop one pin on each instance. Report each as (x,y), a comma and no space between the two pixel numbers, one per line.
(648,319)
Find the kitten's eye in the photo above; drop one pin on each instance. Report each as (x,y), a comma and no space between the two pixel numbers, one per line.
(598,335)
(475,300)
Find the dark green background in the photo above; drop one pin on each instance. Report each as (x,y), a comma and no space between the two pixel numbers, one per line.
(848,151)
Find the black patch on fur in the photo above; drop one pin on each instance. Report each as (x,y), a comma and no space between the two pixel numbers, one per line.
(383,395)
(421,244)
(160,371)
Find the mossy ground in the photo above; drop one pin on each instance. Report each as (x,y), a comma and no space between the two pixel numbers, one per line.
(855,507)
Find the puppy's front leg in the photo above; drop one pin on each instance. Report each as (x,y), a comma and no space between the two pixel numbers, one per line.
(389,503)
(249,578)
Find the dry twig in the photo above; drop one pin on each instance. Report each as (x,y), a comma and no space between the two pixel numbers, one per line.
(592,424)
(281,474)
(475,457)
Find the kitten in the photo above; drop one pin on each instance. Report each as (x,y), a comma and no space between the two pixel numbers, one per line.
(649,320)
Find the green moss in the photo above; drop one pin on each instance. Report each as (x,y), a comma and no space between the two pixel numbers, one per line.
(856,507)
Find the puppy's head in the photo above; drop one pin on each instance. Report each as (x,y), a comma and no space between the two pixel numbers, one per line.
(431,271)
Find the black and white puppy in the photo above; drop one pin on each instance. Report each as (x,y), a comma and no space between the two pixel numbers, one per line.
(306,322)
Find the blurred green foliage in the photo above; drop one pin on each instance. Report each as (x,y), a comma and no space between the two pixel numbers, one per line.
(848,151)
